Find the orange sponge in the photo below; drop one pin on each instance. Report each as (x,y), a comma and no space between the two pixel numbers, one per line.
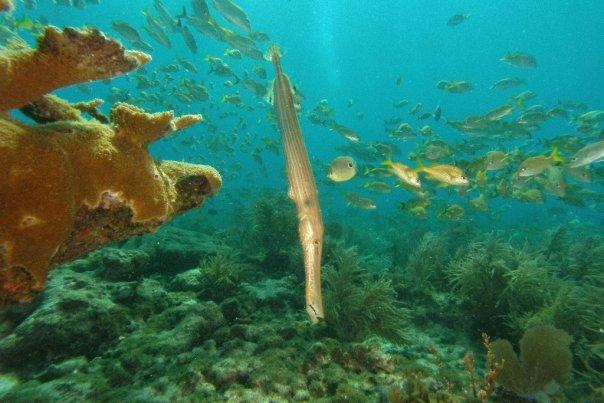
(71,186)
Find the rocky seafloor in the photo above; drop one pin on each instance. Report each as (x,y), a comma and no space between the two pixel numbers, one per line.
(145,325)
(183,315)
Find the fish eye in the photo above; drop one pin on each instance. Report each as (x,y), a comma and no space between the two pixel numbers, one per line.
(350,165)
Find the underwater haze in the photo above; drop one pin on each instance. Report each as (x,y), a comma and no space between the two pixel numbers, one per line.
(447,243)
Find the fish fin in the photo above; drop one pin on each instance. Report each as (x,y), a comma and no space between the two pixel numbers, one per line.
(507,158)
(555,156)
(269,92)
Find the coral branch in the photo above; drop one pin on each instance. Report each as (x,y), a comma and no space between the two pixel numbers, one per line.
(143,128)
(63,58)
(6,5)
(51,108)
(91,108)
(185,121)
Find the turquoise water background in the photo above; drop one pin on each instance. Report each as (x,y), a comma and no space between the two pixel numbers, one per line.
(341,50)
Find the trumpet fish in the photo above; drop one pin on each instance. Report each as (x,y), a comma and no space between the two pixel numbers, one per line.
(302,188)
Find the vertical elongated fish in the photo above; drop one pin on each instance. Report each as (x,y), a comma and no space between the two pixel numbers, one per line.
(302,187)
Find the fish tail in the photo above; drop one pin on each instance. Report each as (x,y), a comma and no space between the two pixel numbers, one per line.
(237,80)
(555,156)
(388,161)
(183,14)
(420,165)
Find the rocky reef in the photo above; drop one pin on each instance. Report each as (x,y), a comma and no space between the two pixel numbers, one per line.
(118,325)
(183,315)
(73,184)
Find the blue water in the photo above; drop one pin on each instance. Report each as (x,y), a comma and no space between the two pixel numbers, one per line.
(354,50)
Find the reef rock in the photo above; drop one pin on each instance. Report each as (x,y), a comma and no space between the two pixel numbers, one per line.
(173,250)
(76,317)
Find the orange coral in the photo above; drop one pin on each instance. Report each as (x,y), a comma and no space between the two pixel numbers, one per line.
(62,58)
(74,185)
(70,185)
(6,5)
